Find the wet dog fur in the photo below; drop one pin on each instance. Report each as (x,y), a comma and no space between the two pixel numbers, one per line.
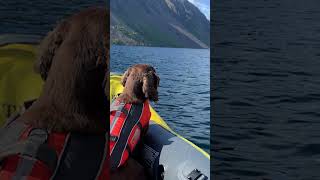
(74,63)
(140,84)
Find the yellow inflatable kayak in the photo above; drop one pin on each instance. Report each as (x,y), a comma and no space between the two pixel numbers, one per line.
(18,82)
(165,154)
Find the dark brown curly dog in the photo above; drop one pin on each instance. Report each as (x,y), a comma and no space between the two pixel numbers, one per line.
(140,83)
(74,62)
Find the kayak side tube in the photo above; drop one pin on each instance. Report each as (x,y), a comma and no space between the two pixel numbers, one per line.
(167,156)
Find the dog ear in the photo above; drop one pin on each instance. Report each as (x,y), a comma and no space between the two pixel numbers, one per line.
(125,77)
(106,81)
(47,49)
(157,83)
(150,86)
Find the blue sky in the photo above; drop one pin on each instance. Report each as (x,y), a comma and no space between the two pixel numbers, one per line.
(203,5)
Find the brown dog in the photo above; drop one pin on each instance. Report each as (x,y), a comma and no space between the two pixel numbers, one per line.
(140,84)
(74,62)
(62,134)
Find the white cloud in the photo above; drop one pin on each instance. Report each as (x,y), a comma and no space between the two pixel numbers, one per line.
(204,8)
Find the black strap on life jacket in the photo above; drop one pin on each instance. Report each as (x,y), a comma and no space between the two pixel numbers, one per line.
(81,157)
(104,162)
(132,119)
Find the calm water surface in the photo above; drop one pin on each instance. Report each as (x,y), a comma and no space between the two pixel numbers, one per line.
(266,72)
(184,90)
(37,17)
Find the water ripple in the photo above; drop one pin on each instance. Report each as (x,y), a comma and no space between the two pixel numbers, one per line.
(266,90)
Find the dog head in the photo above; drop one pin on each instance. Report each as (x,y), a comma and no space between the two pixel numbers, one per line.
(141,82)
(73,61)
(89,29)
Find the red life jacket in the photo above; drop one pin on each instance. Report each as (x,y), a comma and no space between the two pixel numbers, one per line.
(28,163)
(43,155)
(128,122)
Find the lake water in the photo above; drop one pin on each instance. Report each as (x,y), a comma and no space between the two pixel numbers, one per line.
(184,90)
(37,17)
(266,72)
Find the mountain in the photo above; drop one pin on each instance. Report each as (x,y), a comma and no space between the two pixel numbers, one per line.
(164,23)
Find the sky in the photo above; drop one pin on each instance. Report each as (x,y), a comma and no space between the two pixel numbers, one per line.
(203,5)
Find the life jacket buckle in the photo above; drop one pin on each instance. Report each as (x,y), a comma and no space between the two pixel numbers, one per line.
(114,138)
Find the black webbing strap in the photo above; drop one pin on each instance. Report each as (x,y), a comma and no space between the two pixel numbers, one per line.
(132,119)
(59,159)
(114,138)
(82,156)
(104,157)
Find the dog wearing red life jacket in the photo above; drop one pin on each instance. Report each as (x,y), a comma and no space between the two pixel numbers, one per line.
(130,114)
(62,135)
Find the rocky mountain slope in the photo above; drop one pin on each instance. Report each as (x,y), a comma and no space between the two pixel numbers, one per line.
(164,23)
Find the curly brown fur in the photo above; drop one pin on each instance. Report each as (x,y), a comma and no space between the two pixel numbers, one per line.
(140,83)
(74,62)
